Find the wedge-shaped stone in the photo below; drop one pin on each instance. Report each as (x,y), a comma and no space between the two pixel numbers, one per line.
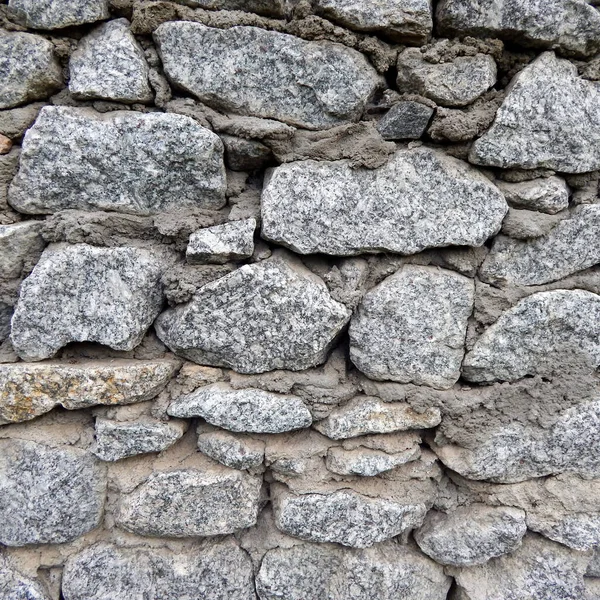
(48,495)
(49,14)
(419,199)
(221,243)
(120,161)
(235,451)
(411,328)
(20,247)
(550,118)
(14,586)
(251,71)
(549,195)
(406,120)
(83,293)
(271,315)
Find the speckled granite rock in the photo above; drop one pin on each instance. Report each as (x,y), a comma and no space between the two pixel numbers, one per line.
(367,462)
(109,63)
(420,199)
(548,119)
(20,247)
(221,243)
(271,315)
(250,71)
(28,69)
(14,586)
(48,495)
(52,14)
(83,293)
(406,120)
(548,195)
(120,161)
(235,451)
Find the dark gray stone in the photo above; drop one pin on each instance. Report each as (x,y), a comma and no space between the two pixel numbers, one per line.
(406,120)
(245,155)
(56,14)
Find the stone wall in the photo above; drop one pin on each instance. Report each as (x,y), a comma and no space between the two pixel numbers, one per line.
(299,300)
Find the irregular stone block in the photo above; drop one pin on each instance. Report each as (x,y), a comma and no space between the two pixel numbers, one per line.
(245,155)
(47,14)
(119,161)
(531,132)
(16,121)
(405,121)
(20,247)
(271,315)
(367,462)
(412,327)
(235,451)
(250,71)
(528,224)
(28,69)
(222,243)
(549,195)
(109,63)
(419,199)
(48,495)
(14,586)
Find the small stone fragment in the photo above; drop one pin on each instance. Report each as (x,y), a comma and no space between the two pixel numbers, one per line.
(14,586)
(5,144)
(16,121)
(235,451)
(21,245)
(528,224)
(51,14)
(367,462)
(222,243)
(244,155)
(548,195)
(406,120)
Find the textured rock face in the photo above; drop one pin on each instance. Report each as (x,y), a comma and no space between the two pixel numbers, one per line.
(249,71)
(549,119)
(405,121)
(272,315)
(549,195)
(367,462)
(232,451)
(221,243)
(48,495)
(14,586)
(48,14)
(109,63)
(20,247)
(83,293)
(412,327)
(28,69)
(420,199)
(119,161)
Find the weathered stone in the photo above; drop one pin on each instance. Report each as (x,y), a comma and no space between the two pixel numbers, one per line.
(456,83)
(222,243)
(48,495)
(548,195)
(191,502)
(412,327)
(536,336)
(548,119)
(471,535)
(248,410)
(119,161)
(244,155)
(570,25)
(83,293)
(367,462)
(406,120)
(386,572)
(20,247)
(29,390)
(250,71)
(271,315)
(28,69)
(528,224)
(14,586)
(420,199)
(109,63)
(16,121)
(5,144)
(235,451)
(48,14)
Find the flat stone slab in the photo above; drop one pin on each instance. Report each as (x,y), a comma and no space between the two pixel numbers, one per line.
(48,14)
(235,451)
(548,195)
(421,198)
(20,247)
(367,462)
(124,161)
(259,73)
(222,243)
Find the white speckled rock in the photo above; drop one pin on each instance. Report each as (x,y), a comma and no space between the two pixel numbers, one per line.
(250,71)
(109,63)
(14,586)
(367,462)
(421,198)
(20,247)
(406,120)
(548,195)
(548,119)
(83,293)
(56,14)
(120,161)
(235,451)
(221,243)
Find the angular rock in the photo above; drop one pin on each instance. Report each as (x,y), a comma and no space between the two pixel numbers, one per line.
(190,503)
(48,495)
(222,243)
(20,247)
(16,121)
(28,69)
(548,195)
(250,71)
(536,336)
(271,315)
(548,119)
(420,199)
(47,14)
(248,410)
(6,312)
(406,120)
(528,224)
(367,462)
(244,155)
(83,293)
(235,451)
(456,83)
(14,586)
(412,327)
(109,63)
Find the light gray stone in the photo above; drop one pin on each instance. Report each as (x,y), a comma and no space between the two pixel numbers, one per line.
(48,495)
(84,293)
(109,63)
(548,195)
(120,161)
(28,69)
(550,118)
(250,71)
(406,120)
(56,14)
(271,315)
(529,224)
(235,451)
(411,328)
(14,586)
(20,247)
(420,199)
(222,243)
(367,462)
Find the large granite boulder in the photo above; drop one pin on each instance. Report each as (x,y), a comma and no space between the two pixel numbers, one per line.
(50,14)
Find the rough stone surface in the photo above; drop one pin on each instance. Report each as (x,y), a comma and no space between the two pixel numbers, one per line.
(28,69)
(16,121)
(528,224)
(412,327)
(48,495)
(50,14)
(121,161)
(237,452)
(249,71)
(83,293)
(222,243)
(14,586)
(109,63)
(420,199)
(244,155)
(20,247)
(549,119)
(367,462)
(272,315)
(548,195)
(406,120)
